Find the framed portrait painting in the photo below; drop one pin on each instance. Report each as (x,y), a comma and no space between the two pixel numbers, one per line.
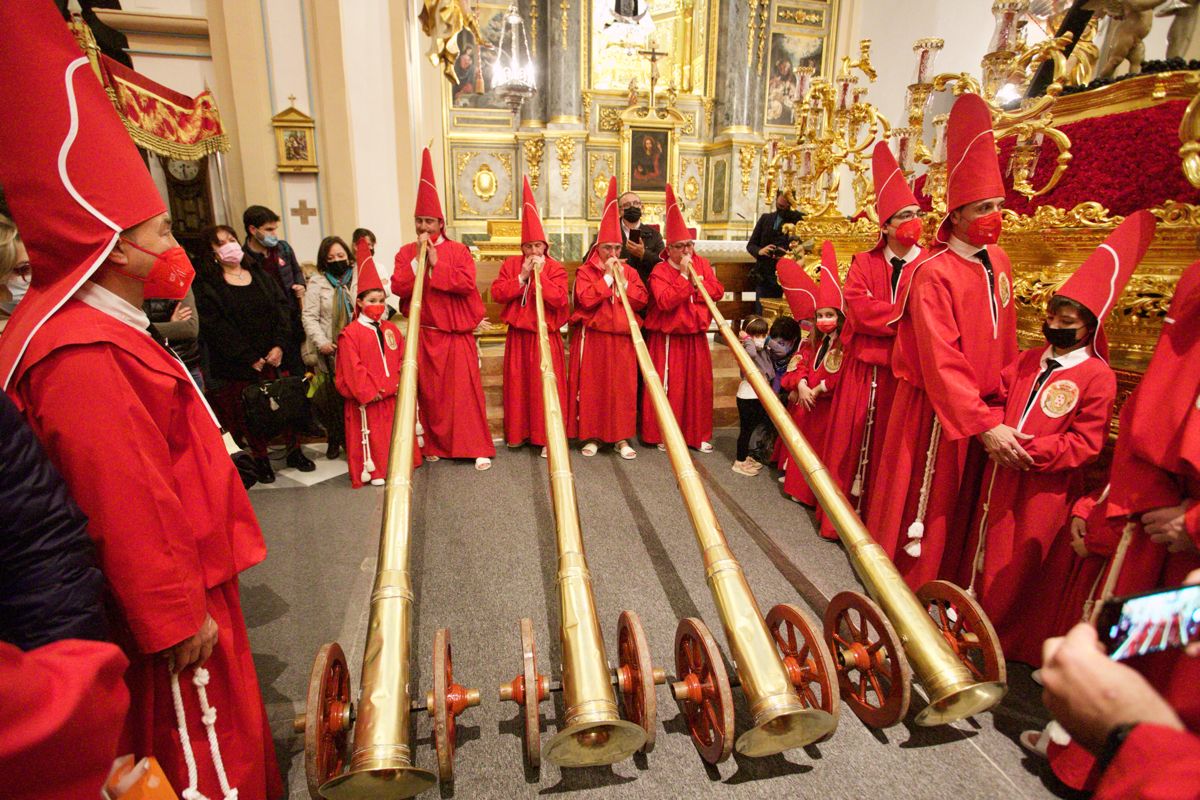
(649,159)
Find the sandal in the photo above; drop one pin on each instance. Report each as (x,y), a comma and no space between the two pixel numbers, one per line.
(544,452)
(705,447)
(482,463)
(590,449)
(625,451)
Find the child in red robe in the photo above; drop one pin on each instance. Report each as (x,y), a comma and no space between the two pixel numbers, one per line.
(449,385)
(676,326)
(602,388)
(1060,399)
(524,418)
(370,352)
(814,374)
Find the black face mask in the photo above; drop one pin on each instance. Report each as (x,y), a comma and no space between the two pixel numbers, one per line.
(1062,338)
(632,214)
(337,268)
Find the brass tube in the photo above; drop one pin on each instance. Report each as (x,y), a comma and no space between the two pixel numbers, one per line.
(592,732)
(953,694)
(781,721)
(381,763)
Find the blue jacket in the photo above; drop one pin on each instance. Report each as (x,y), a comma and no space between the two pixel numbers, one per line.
(50,586)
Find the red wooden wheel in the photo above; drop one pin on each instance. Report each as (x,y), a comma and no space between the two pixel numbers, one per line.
(806,657)
(636,676)
(873,672)
(703,690)
(966,627)
(445,703)
(528,690)
(327,718)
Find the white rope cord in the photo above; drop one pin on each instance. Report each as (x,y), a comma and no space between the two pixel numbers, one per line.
(864,454)
(981,546)
(368,462)
(916,531)
(200,678)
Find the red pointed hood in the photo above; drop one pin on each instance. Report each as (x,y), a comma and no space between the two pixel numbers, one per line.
(676,230)
(610,223)
(72,176)
(366,276)
(531,221)
(892,191)
(798,287)
(972,170)
(829,287)
(429,204)
(1099,281)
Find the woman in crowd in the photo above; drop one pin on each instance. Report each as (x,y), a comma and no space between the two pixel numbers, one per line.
(328,306)
(15,272)
(246,326)
(177,322)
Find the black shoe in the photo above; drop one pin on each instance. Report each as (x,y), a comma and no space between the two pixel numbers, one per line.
(297,459)
(333,450)
(262,469)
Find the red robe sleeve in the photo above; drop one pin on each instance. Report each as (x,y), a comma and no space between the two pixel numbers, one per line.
(591,289)
(790,380)
(507,286)
(1085,505)
(1084,439)
(353,379)
(669,287)
(146,546)
(62,708)
(635,290)
(403,276)
(1154,763)
(712,285)
(554,285)
(870,315)
(949,377)
(455,277)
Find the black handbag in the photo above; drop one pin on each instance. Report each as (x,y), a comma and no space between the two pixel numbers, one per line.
(274,405)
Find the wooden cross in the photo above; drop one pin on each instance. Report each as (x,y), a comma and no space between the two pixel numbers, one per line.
(653,54)
(303,212)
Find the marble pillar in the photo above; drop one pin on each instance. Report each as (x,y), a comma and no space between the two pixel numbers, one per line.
(534,13)
(738,85)
(563,85)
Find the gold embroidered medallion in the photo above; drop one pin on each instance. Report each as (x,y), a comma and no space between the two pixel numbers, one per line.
(1059,398)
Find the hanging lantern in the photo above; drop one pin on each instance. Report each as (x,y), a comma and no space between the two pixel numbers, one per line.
(513,74)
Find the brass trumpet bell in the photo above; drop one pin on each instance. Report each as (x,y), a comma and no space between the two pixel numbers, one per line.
(592,744)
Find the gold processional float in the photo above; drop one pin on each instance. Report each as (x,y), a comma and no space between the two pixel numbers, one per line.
(380,756)
(593,732)
(878,644)
(782,664)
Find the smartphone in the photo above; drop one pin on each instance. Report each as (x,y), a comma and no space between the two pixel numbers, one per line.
(635,235)
(1149,623)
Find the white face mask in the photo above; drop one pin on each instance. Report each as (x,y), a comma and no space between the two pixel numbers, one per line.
(17,287)
(759,341)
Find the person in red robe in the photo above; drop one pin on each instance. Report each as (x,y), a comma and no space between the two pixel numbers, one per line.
(1155,493)
(119,414)
(814,374)
(524,418)
(370,352)
(453,412)
(1062,396)
(955,333)
(602,385)
(61,710)
(677,322)
(854,445)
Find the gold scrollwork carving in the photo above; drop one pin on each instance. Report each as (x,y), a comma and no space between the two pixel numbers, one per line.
(689,127)
(565,147)
(586,96)
(746,154)
(691,188)
(710,105)
(1189,135)
(800,16)
(564,7)
(601,167)
(610,118)
(461,159)
(535,148)
(484,183)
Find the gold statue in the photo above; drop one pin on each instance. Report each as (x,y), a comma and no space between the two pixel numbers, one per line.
(1131,24)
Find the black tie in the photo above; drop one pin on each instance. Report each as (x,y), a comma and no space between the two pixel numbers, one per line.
(986,260)
(1051,365)
(379,333)
(158,337)
(897,268)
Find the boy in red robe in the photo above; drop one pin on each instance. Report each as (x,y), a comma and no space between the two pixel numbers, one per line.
(524,418)
(602,387)
(119,414)
(449,386)
(370,353)
(1061,396)
(676,327)
(955,333)
(814,374)
(866,385)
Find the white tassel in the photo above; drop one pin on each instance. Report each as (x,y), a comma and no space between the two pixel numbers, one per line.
(916,531)
(856,487)
(368,462)
(200,678)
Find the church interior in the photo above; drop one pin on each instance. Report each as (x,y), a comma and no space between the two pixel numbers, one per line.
(321,109)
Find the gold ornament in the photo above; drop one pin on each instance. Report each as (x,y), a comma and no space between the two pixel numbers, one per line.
(534,150)
(565,146)
(1059,398)
(484,183)
(1002,283)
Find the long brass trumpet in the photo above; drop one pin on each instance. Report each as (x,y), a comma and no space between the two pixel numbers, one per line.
(380,762)
(770,680)
(593,732)
(941,652)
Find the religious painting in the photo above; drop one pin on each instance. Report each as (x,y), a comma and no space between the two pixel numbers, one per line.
(649,157)
(294,144)
(720,188)
(789,52)
(473,67)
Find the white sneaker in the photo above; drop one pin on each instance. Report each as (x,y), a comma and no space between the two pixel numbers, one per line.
(378,482)
(589,449)
(482,463)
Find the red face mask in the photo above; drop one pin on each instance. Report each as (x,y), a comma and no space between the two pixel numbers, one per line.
(986,229)
(169,278)
(374,311)
(827,325)
(908,233)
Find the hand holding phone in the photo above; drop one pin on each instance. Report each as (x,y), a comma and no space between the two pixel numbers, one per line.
(1151,622)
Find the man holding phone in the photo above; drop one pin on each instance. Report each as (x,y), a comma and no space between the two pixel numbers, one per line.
(641,245)
(768,243)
